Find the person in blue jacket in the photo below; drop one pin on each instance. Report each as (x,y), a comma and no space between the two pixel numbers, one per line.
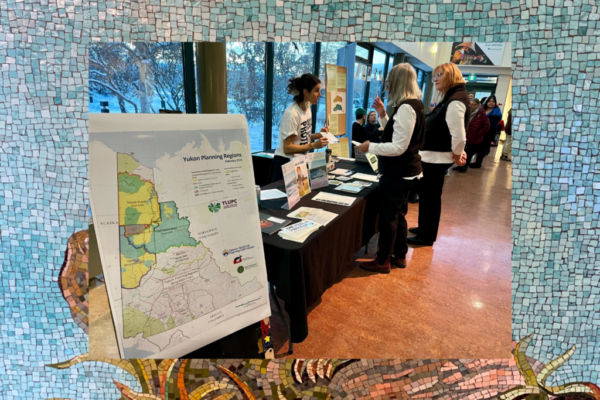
(494,115)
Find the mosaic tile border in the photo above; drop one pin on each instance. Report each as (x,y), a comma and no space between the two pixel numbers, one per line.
(43,151)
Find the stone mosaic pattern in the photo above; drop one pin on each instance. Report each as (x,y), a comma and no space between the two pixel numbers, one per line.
(73,278)
(317,379)
(43,157)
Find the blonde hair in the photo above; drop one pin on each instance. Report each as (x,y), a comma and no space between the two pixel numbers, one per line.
(451,76)
(402,83)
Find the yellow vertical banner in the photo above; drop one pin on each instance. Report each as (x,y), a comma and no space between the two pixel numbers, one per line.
(335,101)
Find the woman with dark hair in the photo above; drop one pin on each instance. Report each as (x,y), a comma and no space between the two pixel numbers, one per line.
(295,136)
(444,145)
(372,127)
(494,115)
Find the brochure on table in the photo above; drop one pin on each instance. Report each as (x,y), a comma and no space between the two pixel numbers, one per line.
(299,232)
(334,199)
(175,209)
(270,224)
(295,177)
(315,215)
(317,167)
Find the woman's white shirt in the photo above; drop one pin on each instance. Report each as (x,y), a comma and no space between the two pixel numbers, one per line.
(404,125)
(455,115)
(294,122)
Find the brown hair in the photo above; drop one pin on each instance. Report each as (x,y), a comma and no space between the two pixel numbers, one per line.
(451,76)
(297,85)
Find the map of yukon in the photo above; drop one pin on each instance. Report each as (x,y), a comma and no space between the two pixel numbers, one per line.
(168,278)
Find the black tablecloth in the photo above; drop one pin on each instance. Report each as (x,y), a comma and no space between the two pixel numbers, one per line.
(262,167)
(302,272)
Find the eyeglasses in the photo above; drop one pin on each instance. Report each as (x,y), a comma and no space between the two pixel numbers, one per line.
(438,75)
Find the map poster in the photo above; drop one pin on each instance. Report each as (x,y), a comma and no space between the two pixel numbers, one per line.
(176,217)
(338,103)
(336,99)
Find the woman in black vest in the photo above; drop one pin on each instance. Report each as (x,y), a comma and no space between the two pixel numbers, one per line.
(445,139)
(399,164)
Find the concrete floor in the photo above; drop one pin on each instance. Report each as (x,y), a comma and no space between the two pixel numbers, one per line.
(452,301)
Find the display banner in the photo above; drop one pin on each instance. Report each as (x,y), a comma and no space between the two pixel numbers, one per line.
(477,53)
(176,216)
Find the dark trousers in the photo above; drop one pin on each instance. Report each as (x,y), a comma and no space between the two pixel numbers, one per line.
(471,150)
(430,199)
(487,141)
(393,206)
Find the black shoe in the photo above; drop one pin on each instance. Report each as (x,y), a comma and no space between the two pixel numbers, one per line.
(462,169)
(458,167)
(475,166)
(398,262)
(415,241)
(414,230)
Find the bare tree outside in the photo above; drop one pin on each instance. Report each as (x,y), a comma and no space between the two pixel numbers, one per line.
(141,76)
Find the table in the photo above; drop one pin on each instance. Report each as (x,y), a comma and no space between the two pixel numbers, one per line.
(261,164)
(302,272)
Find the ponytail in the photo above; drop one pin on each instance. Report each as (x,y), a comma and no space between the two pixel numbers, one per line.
(298,84)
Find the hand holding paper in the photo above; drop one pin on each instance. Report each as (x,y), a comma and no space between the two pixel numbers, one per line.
(363,147)
(330,138)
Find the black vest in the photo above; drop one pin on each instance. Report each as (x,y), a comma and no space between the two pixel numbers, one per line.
(407,164)
(437,134)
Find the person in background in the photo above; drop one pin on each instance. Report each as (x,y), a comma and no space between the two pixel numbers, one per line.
(482,100)
(399,164)
(499,130)
(478,127)
(494,115)
(471,96)
(295,136)
(507,150)
(444,144)
(359,133)
(372,127)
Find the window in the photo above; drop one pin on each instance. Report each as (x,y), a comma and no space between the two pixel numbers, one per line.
(246,87)
(136,77)
(329,53)
(390,66)
(360,85)
(362,52)
(290,60)
(376,85)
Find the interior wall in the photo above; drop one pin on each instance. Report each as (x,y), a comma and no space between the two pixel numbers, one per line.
(422,54)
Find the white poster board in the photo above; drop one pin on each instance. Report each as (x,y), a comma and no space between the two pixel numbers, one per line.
(177,222)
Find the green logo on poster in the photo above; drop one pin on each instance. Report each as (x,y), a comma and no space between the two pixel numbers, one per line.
(240,269)
(214,208)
